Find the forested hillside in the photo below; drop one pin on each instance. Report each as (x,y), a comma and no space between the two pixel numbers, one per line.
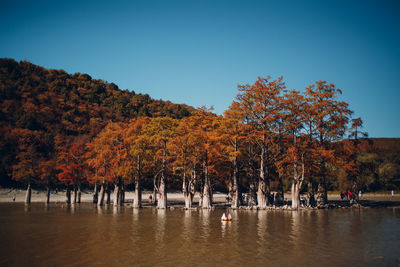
(52,108)
(72,131)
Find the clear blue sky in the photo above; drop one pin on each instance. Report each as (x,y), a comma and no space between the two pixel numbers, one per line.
(197,52)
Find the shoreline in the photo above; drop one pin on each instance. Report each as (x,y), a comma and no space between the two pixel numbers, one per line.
(176,200)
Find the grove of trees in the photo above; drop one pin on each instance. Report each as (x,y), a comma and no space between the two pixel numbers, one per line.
(72,131)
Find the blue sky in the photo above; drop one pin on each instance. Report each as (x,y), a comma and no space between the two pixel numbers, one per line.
(197,52)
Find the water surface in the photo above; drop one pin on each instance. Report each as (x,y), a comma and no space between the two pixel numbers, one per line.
(39,235)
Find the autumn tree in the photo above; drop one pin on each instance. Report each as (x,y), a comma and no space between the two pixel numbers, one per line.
(232,136)
(30,150)
(47,174)
(259,104)
(159,132)
(135,153)
(72,168)
(183,145)
(104,156)
(293,158)
(326,124)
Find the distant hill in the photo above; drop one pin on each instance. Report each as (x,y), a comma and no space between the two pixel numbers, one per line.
(386,144)
(53,107)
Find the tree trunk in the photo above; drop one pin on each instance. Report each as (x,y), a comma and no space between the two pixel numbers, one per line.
(322,196)
(68,194)
(295,195)
(297,182)
(79,194)
(310,193)
(188,188)
(162,194)
(137,201)
(236,194)
(96,194)
(207,190)
(47,194)
(28,194)
(101,195)
(122,194)
(185,190)
(108,191)
(162,190)
(75,195)
(116,194)
(263,187)
(137,197)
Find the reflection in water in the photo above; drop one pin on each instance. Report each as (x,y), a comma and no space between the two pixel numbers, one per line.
(135,214)
(160,228)
(296,231)
(187,224)
(99,210)
(205,219)
(262,239)
(223,227)
(126,237)
(27,207)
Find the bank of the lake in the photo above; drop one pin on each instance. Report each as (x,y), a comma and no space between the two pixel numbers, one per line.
(175,199)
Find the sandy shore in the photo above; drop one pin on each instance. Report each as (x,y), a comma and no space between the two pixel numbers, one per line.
(176,198)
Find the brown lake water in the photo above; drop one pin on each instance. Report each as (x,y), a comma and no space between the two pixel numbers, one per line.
(85,235)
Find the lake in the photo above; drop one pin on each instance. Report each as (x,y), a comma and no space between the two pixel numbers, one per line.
(40,235)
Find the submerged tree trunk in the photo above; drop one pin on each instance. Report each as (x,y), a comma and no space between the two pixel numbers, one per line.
(162,194)
(188,188)
(310,194)
(137,197)
(207,190)
(28,194)
(75,195)
(108,192)
(236,194)
(116,194)
(79,194)
(47,194)
(297,182)
(295,195)
(122,194)
(322,196)
(101,195)
(162,190)
(96,194)
(252,195)
(68,195)
(263,184)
